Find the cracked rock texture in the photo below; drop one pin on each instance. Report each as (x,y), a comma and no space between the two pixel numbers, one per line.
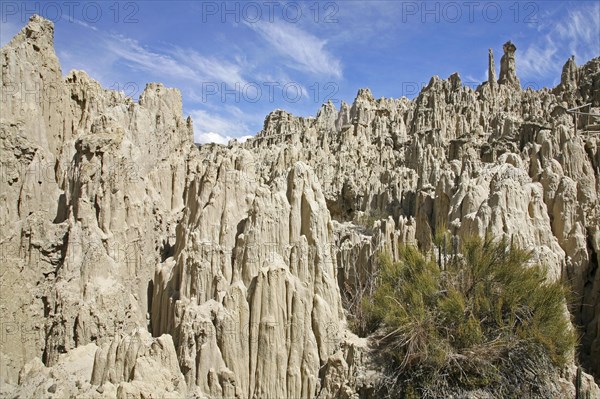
(137,265)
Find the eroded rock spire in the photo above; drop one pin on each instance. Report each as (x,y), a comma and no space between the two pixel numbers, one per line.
(568,78)
(491,68)
(508,70)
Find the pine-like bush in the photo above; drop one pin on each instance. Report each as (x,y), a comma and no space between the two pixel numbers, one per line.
(488,322)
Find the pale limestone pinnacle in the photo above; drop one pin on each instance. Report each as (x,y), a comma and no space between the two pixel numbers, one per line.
(491,68)
(508,69)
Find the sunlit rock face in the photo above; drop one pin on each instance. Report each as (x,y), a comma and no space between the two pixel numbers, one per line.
(92,191)
(137,265)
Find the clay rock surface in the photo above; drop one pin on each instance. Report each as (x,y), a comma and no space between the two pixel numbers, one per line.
(92,189)
(131,366)
(251,292)
(495,160)
(136,264)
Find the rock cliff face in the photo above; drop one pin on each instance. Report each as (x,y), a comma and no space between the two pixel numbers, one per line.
(136,265)
(92,190)
(496,160)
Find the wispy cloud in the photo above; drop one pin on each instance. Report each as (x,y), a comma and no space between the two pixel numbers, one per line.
(539,59)
(210,68)
(217,121)
(212,127)
(304,51)
(78,22)
(217,138)
(185,68)
(581,28)
(576,33)
(147,60)
(474,81)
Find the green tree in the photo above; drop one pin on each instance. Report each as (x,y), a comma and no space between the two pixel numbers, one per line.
(480,323)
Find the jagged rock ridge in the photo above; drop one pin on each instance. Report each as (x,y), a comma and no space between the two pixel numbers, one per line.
(496,159)
(137,265)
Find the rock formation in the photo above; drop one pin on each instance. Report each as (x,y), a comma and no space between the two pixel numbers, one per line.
(508,66)
(93,187)
(137,265)
(491,68)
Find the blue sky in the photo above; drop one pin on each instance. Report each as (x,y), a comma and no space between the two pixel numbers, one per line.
(234,62)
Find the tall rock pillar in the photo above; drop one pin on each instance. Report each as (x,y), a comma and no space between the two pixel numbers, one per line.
(491,68)
(508,70)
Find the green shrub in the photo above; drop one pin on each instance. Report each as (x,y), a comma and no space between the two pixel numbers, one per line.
(476,325)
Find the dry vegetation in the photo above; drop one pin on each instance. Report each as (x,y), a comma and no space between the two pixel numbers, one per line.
(489,322)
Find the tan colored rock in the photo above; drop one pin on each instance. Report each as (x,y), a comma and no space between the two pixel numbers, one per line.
(508,70)
(91,198)
(491,68)
(258,310)
(69,377)
(139,366)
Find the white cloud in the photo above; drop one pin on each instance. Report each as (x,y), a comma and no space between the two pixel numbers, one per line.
(576,33)
(78,22)
(305,52)
(212,69)
(147,60)
(474,81)
(212,137)
(539,59)
(180,67)
(217,128)
(581,28)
